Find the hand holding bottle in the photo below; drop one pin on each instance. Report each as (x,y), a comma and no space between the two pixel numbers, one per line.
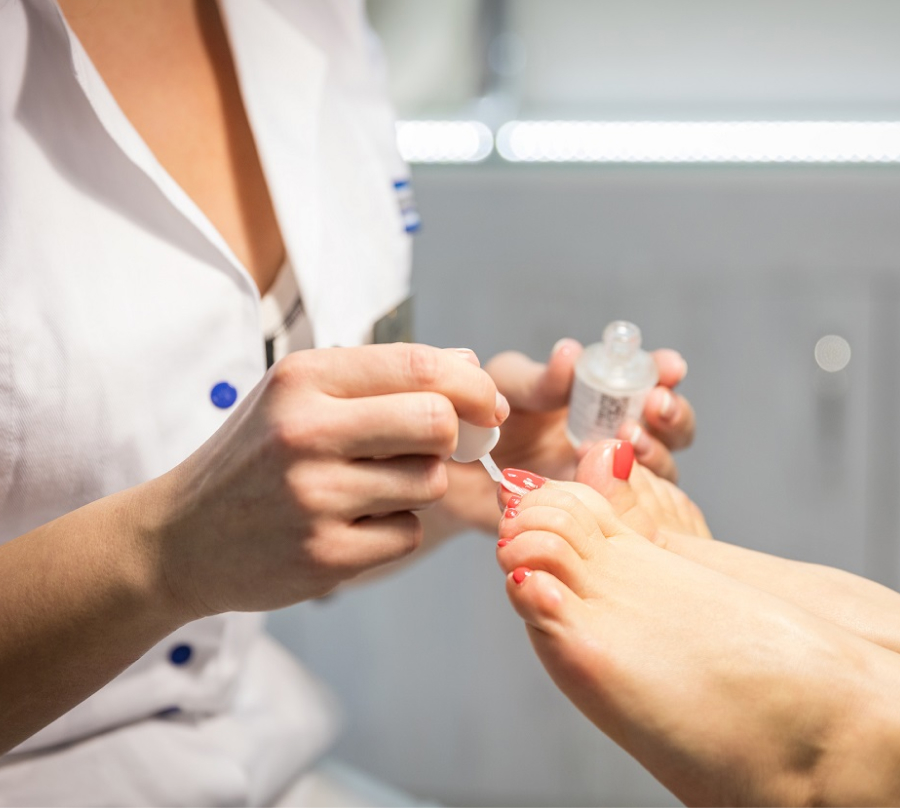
(534,436)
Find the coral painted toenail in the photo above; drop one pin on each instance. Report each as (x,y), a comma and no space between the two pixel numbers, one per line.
(510,513)
(520,574)
(513,501)
(503,542)
(623,460)
(524,479)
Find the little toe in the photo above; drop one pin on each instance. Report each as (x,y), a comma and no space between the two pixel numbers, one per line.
(543,601)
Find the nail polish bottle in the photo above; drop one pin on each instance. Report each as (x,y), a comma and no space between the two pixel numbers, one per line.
(612,379)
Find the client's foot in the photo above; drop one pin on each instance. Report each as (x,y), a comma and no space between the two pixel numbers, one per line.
(703,679)
(648,504)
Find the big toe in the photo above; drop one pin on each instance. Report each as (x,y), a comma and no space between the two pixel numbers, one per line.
(607,468)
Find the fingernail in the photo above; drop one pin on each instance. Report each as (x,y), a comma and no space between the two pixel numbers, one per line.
(503,542)
(520,574)
(623,460)
(501,408)
(666,404)
(469,355)
(639,440)
(524,479)
(513,501)
(510,513)
(564,344)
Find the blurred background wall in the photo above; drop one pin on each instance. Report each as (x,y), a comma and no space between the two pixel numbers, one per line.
(743,267)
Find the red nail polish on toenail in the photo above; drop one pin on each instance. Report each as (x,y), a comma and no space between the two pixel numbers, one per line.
(513,501)
(520,574)
(623,460)
(503,542)
(524,479)
(510,513)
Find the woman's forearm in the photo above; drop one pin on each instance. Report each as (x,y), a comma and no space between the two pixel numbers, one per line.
(81,598)
(856,604)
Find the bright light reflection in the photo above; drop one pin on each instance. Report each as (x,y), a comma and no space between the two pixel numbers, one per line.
(832,353)
(444,141)
(700,142)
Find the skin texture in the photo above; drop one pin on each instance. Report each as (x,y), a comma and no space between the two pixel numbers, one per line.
(273,509)
(330,468)
(169,67)
(665,514)
(769,683)
(534,435)
(727,694)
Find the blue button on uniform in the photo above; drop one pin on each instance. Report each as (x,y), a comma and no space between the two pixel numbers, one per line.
(223,395)
(180,654)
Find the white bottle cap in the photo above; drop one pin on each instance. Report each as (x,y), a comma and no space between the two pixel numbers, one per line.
(475,441)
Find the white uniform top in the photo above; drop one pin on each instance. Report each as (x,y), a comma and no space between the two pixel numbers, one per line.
(128,329)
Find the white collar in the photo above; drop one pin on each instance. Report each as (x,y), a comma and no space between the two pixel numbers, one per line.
(293,68)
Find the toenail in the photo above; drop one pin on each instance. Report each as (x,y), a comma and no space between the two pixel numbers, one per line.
(510,513)
(513,501)
(623,460)
(503,542)
(520,574)
(526,480)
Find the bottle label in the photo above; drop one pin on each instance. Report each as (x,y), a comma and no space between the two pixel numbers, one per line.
(595,415)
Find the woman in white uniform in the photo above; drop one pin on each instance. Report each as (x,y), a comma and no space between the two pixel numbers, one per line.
(187,190)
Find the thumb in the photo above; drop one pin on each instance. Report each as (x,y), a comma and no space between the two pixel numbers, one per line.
(533,386)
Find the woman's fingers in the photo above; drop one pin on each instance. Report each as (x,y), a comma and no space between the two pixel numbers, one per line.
(314,476)
(671,366)
(649,451)
(669,416)
(376,370)
(408,483)
(376,540)
(396,424)
(532,386)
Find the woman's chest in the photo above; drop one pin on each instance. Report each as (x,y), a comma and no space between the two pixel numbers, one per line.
(169,68)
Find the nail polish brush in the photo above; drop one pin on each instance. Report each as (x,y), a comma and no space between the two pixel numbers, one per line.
(475,443)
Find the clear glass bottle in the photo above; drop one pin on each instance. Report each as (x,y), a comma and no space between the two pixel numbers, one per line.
(612,379)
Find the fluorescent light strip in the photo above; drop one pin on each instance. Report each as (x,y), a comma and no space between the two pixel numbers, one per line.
(444,141)
(700,142)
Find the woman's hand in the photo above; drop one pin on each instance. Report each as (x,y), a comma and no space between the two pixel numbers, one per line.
(316,476)
(534,436)
(311,480)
